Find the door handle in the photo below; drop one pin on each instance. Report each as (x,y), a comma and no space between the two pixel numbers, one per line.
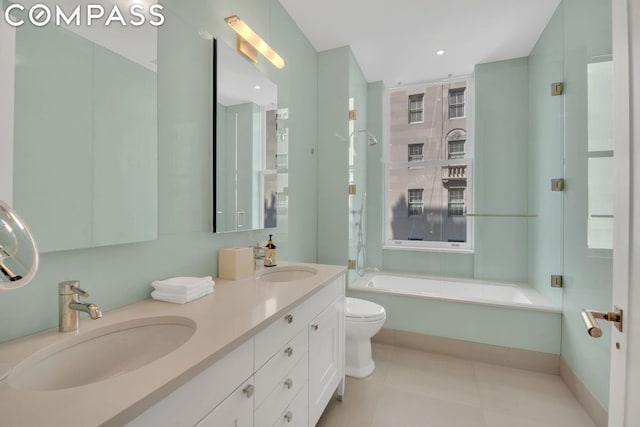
(589,318)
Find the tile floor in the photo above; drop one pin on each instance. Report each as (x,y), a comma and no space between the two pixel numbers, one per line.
(415,388)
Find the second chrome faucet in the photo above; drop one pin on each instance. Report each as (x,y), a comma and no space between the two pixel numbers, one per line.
(69,306)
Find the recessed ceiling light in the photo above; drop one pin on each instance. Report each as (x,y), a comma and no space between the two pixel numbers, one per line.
(440,52)
(256,87)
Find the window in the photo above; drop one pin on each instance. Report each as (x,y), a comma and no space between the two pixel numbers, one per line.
(415,152)
(416,205)
(456,201)
(428,168)
(456,150)
(456,103)
(416,108)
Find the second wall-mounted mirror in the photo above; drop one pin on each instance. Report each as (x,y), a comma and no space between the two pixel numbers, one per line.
(85,134)
(245,145)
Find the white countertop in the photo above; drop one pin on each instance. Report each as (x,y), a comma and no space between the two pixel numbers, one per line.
(234,312)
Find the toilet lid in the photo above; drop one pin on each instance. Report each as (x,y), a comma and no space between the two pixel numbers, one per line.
(355,308)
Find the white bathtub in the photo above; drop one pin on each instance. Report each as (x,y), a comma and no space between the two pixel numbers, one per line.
(502,314)
(453,289)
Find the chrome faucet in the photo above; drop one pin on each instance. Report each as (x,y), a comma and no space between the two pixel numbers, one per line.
(260,247)
(69,306)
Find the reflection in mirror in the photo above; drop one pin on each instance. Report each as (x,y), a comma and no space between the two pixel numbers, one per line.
(85,133)
(600,155)
(246,145)
(18,251)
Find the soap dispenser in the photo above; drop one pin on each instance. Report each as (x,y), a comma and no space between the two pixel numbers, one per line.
(270,253)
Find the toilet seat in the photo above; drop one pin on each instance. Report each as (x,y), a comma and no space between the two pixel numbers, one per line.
(358,310)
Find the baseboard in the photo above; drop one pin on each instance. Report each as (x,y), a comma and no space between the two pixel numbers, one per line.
(594,408)
(504,356)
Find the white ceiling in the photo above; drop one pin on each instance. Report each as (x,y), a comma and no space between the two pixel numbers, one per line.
(396,40)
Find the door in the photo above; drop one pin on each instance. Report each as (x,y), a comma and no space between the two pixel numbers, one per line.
(588,216)
(624,391)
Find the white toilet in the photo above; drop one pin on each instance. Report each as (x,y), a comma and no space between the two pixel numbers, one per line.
(363,319)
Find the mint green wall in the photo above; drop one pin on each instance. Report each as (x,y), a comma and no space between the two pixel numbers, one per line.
(546,153)
(340,79)
(120,275)
(333,152)
(500,169)
(587,272)
(357,91)
(375,174)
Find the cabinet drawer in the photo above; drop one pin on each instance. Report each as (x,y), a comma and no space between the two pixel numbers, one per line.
(287,326)
(191,402)
(236,410)
(280,398)
(269,376)
(296,413)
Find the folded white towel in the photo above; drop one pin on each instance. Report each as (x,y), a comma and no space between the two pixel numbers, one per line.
(178,299)
(180,291)
(183,283)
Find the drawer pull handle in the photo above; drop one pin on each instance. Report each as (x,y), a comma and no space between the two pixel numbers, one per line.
(248,390)
(288,318)
(315,326)
(288,416)
(288,383)
(289,351)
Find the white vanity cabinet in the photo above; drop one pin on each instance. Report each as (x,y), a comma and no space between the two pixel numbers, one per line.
(222,385)
(300,358)
(326,358)
(284,375)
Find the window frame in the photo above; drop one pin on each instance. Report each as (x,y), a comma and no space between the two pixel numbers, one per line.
(457,104)
(458,202)
(449,143)
(419,110)
(415,203)
(425,245)
(421,155)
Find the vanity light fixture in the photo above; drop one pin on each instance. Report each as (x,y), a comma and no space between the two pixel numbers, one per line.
(247,36)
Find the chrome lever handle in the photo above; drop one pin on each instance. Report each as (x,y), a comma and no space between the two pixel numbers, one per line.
(288,416)
(288,318)
(81,292)
(288,351)
(71,287)
(593,328)
(288,383)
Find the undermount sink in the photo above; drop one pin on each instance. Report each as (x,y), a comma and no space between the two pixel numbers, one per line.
(287,273)
(101,354)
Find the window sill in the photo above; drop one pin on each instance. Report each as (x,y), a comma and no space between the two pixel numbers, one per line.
(449,250)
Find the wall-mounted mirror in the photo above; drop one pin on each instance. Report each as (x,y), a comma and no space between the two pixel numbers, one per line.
(18,250)
(245,145)
(85,132)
